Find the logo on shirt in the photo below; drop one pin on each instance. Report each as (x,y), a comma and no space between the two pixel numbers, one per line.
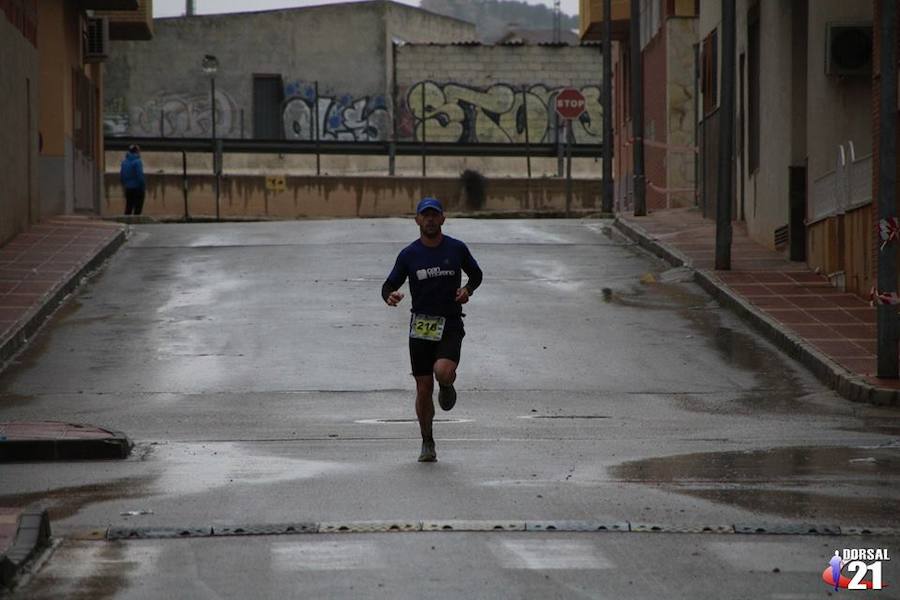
(434,272)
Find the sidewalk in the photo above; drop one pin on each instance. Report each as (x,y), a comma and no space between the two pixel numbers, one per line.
(40,267)
(831,332)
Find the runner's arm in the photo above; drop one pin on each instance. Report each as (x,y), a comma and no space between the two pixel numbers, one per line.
(395,279)
(473,271)
(386,289)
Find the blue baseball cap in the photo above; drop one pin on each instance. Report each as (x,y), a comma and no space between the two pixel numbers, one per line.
(429,202)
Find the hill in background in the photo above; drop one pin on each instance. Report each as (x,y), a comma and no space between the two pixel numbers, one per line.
(494,18)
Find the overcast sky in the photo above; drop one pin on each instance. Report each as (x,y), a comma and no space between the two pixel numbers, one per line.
(173,8)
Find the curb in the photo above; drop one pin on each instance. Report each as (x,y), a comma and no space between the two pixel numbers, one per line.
(847,384)
(18,338)
(32,534)
(115,447)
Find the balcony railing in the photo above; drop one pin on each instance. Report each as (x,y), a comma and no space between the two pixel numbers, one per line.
(847,187)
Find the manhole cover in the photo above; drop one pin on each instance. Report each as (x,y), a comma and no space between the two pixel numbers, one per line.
(400,421)
(564,417)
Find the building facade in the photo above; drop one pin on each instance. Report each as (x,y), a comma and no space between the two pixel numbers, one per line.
(668,34)
(19,84)
(804,128)
(290,74)
(51,136)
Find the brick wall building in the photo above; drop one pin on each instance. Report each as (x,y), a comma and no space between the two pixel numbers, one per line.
(667,37)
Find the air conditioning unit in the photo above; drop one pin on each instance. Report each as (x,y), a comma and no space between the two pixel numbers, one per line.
(96,39)
(848,49)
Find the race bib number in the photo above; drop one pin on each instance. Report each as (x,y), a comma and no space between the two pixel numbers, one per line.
(424,327)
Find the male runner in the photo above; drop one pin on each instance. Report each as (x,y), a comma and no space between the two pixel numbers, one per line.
(433,264)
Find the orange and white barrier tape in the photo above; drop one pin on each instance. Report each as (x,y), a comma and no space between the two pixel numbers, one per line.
(877,298)
(888,230)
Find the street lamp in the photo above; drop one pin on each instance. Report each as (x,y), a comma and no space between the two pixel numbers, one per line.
(210,66)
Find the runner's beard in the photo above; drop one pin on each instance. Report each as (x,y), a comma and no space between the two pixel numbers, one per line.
(430,231)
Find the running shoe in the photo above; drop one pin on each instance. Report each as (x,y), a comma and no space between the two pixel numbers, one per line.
(447,397)
(428,454)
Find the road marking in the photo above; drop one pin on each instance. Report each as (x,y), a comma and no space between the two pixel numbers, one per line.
(325,556)
(549,554)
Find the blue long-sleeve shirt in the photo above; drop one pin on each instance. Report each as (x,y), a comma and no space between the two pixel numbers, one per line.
(434,276)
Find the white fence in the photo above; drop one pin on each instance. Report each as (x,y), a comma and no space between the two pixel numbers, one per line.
(847,187)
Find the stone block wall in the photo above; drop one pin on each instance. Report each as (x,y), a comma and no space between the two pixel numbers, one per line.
(475,93)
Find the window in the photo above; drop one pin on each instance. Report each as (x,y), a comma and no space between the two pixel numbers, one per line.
(753,92)
(709,84)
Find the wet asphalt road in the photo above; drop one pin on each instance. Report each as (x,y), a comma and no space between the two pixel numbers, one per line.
(264,381)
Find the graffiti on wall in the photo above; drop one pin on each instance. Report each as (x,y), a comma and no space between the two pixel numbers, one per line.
(451,113)
(458,113)
(174,115)
(339,118)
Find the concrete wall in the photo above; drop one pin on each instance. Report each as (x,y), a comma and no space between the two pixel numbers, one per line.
(19,85)
(345,48)
(247,196)
(60,53)
(681,35)
(767,205)
(838,109)
(475,93)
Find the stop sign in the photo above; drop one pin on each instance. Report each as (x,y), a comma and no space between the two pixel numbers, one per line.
(569,103)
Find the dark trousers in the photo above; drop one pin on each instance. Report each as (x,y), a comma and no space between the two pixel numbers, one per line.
(134,201)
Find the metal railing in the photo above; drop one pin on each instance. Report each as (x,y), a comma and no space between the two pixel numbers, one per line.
(383,148)
(847,187)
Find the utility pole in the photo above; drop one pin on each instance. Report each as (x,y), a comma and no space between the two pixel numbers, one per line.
(557,22)
(607,107)
(637,112)
(887,189)
(189,8)
(726,140)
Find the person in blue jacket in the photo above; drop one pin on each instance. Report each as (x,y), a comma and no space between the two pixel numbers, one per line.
(434,264)
(131,173)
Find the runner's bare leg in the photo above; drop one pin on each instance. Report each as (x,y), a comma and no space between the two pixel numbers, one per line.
(425,405)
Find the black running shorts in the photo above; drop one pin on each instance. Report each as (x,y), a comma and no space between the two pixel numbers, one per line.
(423,353)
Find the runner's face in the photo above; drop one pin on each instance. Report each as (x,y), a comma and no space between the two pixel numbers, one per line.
(430,222)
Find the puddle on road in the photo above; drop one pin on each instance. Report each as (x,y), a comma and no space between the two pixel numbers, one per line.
(179,470)
(765,465)
(92,571)
(751,480)
(779,388)
(197,467)
(62,503)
